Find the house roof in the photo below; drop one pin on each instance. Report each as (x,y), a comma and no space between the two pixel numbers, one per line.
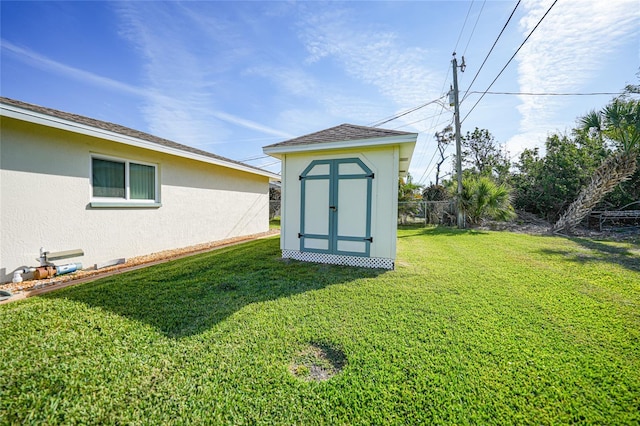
(90,126)
(348,136)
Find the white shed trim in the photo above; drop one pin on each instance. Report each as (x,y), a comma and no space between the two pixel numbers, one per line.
(339,194)
(406,143)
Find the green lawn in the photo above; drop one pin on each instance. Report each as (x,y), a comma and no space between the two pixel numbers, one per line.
(274,223)
(471,328)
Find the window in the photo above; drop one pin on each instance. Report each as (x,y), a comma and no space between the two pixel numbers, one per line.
(122,181)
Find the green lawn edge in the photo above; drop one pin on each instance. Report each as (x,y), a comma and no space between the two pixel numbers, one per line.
(472,327)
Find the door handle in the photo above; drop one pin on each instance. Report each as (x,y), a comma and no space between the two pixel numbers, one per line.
(334,208)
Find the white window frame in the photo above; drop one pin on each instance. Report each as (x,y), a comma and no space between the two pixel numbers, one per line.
(111,202)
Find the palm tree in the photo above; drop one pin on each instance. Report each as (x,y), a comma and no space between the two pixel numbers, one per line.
(618,122)
(409,196)
(483,198)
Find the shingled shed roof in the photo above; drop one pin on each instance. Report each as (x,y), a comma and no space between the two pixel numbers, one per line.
(341,133)
(348,136)
(173,147)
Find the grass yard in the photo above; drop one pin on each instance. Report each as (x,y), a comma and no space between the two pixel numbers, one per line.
(471,328)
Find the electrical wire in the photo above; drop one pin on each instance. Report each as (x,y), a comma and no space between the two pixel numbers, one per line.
(490,50)
(549,94)
(510,59)
(395,117)
(422,119)
(446,149)
(474,28)
(436,121)
(443,86)
(424,174)
(256,157)
(463,25)
(261,166)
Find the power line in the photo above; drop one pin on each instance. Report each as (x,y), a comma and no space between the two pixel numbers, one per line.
(549,94)
(255,157)
(438,125)
(463,25)
(510,59)
(424,174)
(436,121)
(491,50)
(474,27)
(417,121)
(435,165)
(395,117)
(446,78)
(268,164)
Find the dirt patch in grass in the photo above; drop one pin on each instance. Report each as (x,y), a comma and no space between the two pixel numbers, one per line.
(318,362)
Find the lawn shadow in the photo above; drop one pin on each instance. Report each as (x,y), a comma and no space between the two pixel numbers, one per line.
(188,296)
(601,252)
(438,230)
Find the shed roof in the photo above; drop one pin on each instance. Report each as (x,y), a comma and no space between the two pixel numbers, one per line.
(65,120)
(343,132)
(347,136)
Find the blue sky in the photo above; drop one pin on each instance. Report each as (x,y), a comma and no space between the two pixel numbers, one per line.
(231,77)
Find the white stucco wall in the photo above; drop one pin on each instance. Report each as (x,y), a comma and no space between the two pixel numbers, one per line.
(383,161)
(45,195)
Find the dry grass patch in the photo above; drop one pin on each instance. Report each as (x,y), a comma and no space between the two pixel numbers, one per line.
(318,362)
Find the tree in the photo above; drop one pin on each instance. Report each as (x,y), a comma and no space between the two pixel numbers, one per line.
(482,198)
(409,195)
(274,201)
(444,139)
(546,185)
(483,155)
(436,193)
(618,123)
(438,208)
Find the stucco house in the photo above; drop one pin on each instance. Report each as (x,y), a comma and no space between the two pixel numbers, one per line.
(340,194)
(72,182)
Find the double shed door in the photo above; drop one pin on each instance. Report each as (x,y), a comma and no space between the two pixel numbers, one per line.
(335,211)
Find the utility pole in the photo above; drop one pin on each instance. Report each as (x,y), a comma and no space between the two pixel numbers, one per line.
(456,101)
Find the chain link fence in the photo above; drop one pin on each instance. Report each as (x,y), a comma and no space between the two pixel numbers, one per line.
(409,213)
(427,212)
(274,209)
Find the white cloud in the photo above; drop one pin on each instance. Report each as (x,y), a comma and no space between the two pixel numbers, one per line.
(186,66)
(319,103)
(161,107)
(40,61)
(526,140)
(370,55)
(568,50)
(398,75)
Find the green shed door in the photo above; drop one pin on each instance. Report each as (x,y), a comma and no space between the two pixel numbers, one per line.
(335,211)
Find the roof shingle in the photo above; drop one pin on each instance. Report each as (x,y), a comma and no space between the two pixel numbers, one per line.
(116,128)
(341,133)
